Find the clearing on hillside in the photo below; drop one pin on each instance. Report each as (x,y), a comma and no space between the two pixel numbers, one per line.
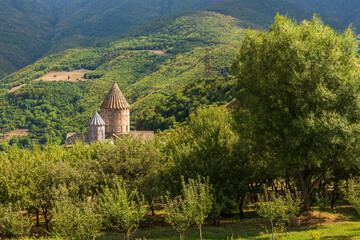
(17,132)
(73,76)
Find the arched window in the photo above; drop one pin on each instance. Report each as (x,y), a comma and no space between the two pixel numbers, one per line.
(120,129)
(113,129)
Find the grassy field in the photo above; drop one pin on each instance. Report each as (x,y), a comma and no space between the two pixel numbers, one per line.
(340,223)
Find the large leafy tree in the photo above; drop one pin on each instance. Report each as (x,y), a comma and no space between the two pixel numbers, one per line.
(299,103)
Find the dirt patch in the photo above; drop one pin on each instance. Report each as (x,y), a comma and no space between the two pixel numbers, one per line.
(313,218)
(16,88)
(73,76)
(17,132)
(158,52)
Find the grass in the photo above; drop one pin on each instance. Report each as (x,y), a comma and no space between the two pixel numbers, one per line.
(340,223)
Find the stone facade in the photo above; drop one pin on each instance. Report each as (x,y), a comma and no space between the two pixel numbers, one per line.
(96,131)
(114,121)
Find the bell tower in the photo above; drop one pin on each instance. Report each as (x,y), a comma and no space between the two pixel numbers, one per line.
(96,131)
(115,111)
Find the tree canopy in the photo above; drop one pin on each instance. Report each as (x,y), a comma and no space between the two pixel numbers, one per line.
(298,92)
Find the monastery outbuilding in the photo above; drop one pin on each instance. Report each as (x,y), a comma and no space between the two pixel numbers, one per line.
(114,121)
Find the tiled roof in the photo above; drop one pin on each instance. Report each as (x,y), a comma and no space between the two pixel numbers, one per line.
(96,120)
(115,99)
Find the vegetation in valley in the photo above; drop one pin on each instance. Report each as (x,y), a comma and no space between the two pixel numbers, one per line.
(144,77)
(288,147)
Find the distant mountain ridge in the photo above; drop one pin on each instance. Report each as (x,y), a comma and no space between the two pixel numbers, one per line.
(30,29)
(347,11)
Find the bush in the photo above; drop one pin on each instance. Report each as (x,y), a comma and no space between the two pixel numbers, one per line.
(122,210)
(13,223)
(76,220)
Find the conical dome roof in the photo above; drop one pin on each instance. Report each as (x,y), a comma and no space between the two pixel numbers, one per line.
(96,120)
(115,99)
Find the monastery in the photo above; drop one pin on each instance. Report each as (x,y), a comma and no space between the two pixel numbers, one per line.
(113,123)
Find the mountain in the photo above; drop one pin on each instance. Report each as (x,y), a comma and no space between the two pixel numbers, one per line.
(347,11)
(148,64)
(262,12)
(31,29)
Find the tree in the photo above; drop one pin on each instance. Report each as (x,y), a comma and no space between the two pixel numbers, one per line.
(276,207)
(352,194)
(13,223)
(178,213)
(205,147)
(299,99)
(197,194)
(76,219)
(122,210)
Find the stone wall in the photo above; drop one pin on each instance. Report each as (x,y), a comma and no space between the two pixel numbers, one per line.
(71,138)
(144,135)
(96,134)
(116,121)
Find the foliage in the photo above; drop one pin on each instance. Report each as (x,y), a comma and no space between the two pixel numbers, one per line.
(204,147)
(177,107)
(352,194)
(315,235)
(50,110)
(13,222)
(276,207)
(178,213)
(122,210)
(76,219)
(197,195)
(299,102)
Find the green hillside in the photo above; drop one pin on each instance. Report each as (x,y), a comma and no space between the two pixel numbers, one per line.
(52,109)
(31,29)
(177,107)
(262,12)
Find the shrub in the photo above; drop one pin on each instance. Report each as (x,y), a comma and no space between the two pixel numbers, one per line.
(76,220)
(13,223)
(122,210)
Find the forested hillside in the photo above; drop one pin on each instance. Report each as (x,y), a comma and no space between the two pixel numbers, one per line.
(185,43)
(262,12)
(31,29)
(347,11)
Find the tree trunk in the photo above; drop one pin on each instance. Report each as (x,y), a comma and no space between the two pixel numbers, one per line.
(152,210)
(334,195)
(37,218)
(181,236)
(304,180)
(241,206)
(272,230)
(200,232)
(216,220)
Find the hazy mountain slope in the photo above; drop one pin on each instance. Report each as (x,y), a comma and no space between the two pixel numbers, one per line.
(50,111)
(23,36)
(262,12)
(31,28)
(347,11)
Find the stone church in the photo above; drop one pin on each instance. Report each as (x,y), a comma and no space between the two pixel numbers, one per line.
(114,121)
